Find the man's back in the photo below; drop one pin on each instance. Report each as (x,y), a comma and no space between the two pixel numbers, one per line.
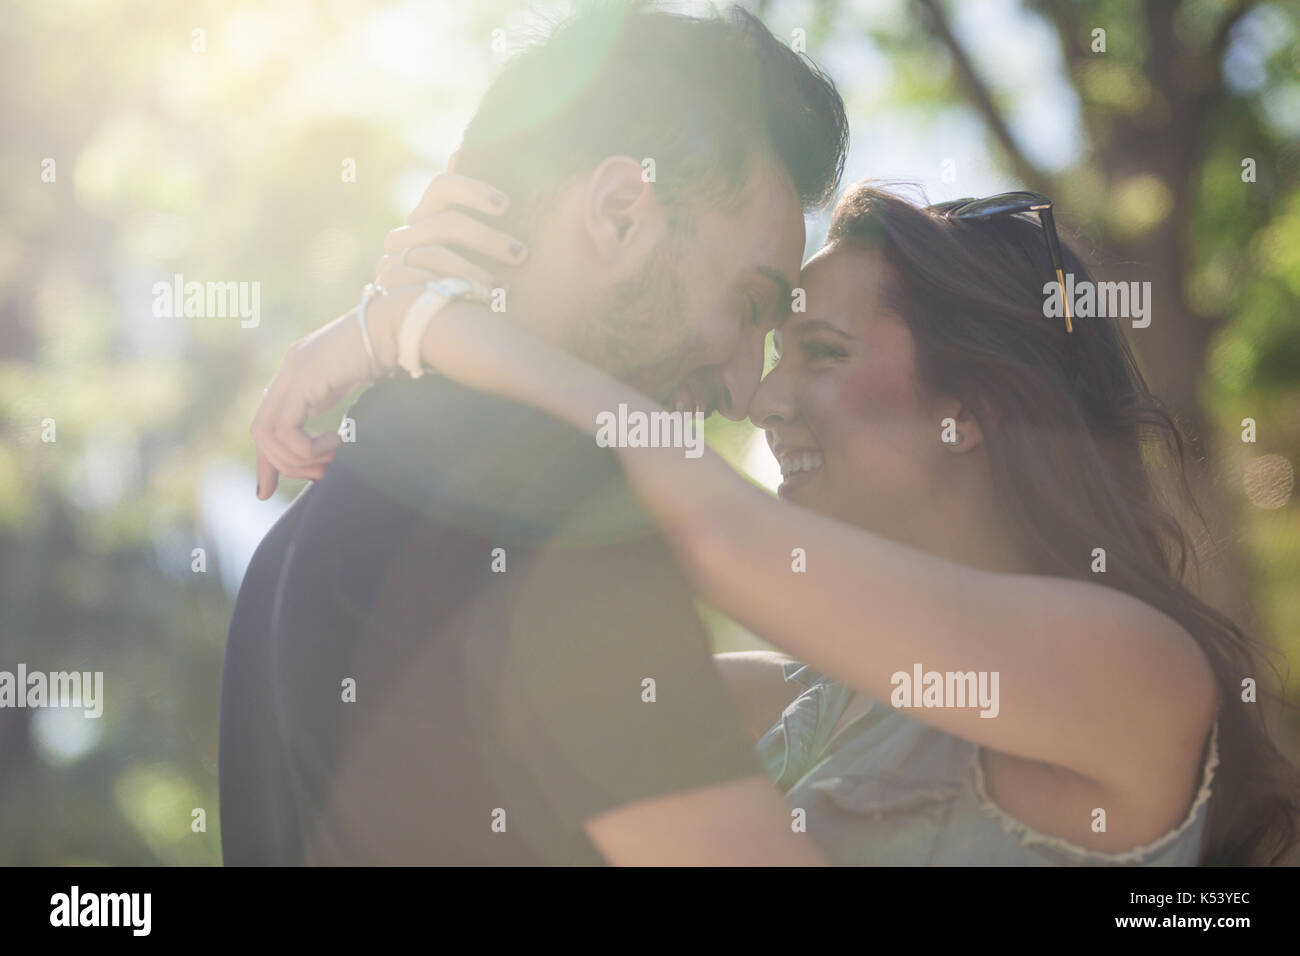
(442,652)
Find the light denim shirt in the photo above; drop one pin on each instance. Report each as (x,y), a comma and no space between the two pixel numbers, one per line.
(892,791)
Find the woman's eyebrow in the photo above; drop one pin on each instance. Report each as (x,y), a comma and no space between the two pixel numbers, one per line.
(821,325)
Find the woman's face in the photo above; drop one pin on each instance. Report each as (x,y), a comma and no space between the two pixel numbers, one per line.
(856,435)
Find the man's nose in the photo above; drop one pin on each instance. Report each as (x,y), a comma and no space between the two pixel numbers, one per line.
(739,378)
(772,404)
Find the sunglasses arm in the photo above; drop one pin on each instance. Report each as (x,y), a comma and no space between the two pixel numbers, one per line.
(1054,250)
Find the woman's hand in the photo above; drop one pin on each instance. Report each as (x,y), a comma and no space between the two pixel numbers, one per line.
(318,372)
(321,369)
(424,248)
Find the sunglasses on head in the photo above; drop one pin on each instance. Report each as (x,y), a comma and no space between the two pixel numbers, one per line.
(1009,204)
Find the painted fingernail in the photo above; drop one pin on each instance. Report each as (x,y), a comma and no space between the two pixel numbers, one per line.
(517,249)
(498,199)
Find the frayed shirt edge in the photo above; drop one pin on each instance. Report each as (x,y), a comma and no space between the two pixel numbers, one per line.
(1029,836)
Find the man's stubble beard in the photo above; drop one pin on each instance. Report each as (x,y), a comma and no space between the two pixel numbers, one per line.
(640,332)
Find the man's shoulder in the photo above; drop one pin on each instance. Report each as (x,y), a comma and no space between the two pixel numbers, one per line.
(450,454)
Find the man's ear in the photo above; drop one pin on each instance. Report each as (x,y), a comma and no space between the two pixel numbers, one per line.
(968,430)
(621,212)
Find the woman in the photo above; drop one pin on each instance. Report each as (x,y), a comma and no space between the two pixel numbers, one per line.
(966,493)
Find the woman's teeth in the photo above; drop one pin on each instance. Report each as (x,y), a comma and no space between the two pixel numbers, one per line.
(798,462)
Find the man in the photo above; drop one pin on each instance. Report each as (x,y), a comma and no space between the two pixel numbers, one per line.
(465,643)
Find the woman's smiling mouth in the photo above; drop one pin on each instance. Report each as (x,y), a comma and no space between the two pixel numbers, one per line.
(798,466)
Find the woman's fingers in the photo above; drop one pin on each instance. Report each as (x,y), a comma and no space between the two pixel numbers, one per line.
(416,265)
(283,447)
(449,189)
(323,446)
(422,245)
(269,461)
(451,227)
(268,476)
(273,458)
(295,440)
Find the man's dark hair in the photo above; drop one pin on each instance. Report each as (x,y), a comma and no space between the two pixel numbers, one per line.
(699,96)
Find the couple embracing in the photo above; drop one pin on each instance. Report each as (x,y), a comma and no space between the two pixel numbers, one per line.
(474,639)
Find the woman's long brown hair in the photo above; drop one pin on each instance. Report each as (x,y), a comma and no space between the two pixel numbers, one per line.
(1075,442)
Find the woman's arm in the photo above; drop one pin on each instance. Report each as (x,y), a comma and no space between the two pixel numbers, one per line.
(738,823)
(1088,678)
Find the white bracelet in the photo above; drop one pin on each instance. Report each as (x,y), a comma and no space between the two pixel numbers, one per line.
(414,323)
(435,296)
(369,292)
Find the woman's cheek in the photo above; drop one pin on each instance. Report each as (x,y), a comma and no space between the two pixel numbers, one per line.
(867,425)
(866,401)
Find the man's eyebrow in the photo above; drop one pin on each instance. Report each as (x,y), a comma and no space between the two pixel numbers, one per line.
(781,281)
(783,285)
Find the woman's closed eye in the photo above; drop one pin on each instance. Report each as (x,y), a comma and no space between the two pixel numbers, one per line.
(814,350)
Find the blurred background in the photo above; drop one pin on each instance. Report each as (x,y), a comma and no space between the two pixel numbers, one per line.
(276,143)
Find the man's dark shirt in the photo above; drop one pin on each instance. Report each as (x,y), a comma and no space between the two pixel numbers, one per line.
(390,698)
